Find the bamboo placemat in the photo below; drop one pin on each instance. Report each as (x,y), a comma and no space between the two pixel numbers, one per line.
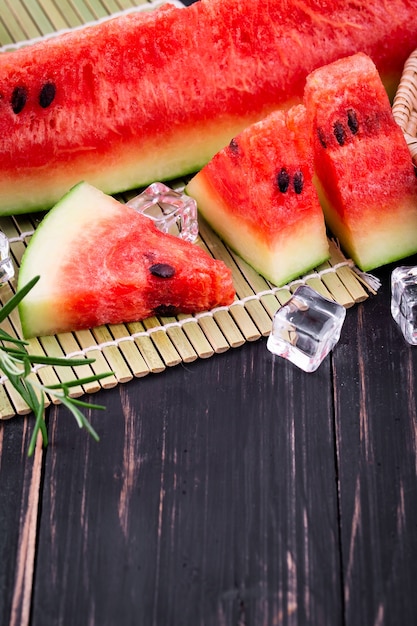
(137,349)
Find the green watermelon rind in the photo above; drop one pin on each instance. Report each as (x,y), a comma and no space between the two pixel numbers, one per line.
(380,241)
(131,172)
(38,258)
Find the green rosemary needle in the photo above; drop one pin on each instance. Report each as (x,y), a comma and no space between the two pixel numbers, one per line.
(16,364)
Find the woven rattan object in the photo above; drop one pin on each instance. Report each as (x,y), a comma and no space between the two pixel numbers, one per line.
(405,104)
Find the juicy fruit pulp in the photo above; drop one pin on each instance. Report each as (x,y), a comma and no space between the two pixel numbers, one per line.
(147,97)
(258,194)
(101,262)
(367,183)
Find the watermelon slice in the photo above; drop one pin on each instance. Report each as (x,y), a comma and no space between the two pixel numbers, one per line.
(100,262)
(153,96)
(365,176)
(258,194)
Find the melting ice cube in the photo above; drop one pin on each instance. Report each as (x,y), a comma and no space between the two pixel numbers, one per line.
(404,301)
(306,328)
(172,212)
(6,265)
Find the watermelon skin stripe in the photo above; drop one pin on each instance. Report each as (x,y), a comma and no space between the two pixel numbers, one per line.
(153,96)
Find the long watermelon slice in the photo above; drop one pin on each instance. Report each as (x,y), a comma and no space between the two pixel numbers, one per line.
(101,262)
(258,194)
(146,97)
(365,176)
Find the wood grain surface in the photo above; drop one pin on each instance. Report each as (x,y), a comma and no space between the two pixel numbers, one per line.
(376,426)
(236,490)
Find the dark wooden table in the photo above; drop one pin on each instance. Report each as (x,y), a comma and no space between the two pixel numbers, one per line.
(232,491)
(236,490)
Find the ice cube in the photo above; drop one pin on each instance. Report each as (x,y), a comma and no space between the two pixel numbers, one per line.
(404,301)
(171,211)
(6,264)
(306,328)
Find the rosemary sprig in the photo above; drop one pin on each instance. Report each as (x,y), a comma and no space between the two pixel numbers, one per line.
(17,365)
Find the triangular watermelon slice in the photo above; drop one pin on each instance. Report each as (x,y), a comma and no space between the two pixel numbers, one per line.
(258,194)
(365,175)
(101,262)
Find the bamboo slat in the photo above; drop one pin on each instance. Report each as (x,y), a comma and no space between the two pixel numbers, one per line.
(148,347)
(113,356)
(130,350)
(52,348)
(180,340)
(12,29)
(26,21)
(58,21)
(196,337)
(7,409)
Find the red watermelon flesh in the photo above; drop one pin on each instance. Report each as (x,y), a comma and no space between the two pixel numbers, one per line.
(257,193)
(101,262)
(365,175)
(147,97)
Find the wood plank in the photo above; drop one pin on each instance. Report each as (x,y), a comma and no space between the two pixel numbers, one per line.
(236,490)
(210,499)
(375,400)
(20,482)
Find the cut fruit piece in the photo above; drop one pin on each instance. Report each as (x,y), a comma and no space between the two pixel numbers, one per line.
(153,96)
(101,262)
(365,176)
(258,195)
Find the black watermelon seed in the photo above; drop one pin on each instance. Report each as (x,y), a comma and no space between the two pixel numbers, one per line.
(162,270)
(339,133)
(298,182)
(321,136)
(234,146)
(353,121)
(283,180)
(19,98)
(165,310)
(47,95)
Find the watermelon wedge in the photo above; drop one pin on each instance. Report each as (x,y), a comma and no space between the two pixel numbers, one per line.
(258,194)
(148,97)
(101,262)
(365,176)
